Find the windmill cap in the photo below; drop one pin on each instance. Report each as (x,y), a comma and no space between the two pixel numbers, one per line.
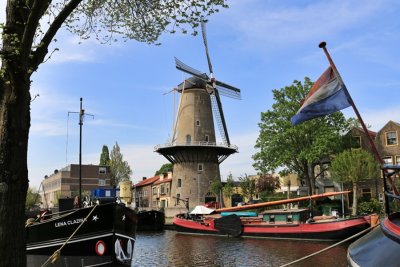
(193,82)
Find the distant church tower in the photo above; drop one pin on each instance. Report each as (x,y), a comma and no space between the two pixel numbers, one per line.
(193,149)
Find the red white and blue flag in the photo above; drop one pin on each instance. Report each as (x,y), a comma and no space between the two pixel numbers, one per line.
(327,96)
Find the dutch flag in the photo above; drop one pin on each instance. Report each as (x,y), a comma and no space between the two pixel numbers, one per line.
(328,95)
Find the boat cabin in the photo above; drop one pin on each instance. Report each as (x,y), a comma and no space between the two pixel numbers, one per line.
(285,216)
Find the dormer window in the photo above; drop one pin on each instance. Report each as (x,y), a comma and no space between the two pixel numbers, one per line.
(391,138)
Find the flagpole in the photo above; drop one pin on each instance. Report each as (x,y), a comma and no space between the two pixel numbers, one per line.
(374,149)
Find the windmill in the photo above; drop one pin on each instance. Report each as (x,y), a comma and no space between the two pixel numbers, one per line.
(214,87)
(193,150)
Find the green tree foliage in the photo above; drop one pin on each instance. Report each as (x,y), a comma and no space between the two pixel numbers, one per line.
(216,187)
(119,168)
(354,166)
(32,198)
(267,184)
(296,149)
(248,186)
(167,167)
(229,188)
(30,27)
(105,156)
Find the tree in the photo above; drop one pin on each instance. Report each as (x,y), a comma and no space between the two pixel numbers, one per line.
(167,167)
(229,187)
(296,149)
(25,46)
(248,186)
(32,198)
(354,166)
(215,188)
(105,156)
(119,169)
(267,183)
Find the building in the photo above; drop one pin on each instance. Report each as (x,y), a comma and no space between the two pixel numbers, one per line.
(64,183)
(161,192)
(143,193)
(193,149)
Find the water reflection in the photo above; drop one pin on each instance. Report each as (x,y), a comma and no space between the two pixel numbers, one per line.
(171,249)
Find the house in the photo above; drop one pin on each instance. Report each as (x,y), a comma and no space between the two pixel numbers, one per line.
(161,192)
(64,183)
(142,192)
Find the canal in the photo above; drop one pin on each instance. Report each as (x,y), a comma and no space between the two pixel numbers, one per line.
(172,249)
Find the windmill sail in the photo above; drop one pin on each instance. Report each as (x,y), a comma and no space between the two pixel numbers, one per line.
(214,87)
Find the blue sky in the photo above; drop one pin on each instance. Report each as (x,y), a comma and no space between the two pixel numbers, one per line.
(255,45)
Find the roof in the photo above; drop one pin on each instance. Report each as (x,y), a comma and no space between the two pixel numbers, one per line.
(163,181)
(147,181)
(371,133)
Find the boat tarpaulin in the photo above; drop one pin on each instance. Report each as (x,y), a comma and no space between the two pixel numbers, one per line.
(201,210)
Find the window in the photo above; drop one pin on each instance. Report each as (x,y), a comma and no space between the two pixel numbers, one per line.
(188,139)
(102,170)
(178,196)
(356,142)
(102,182)
(200,167)
(207,138)
(272,219)
(366,193)
(179,182)
(163,189)
(197,123)
(397,160)
(388,160)
(154,190)
(391,138)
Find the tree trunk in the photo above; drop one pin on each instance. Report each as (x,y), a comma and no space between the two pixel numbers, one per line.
(311,179)
(354,209)
(14,129)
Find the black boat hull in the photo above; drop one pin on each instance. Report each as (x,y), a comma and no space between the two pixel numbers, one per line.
(107,237)
(151,220)
(380,247)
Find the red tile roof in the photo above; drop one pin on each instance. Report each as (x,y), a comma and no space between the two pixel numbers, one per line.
(148,181)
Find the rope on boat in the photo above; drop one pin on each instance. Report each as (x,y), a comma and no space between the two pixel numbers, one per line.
(56,255)
(332,246)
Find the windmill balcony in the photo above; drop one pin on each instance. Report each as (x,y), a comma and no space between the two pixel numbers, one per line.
(196,143)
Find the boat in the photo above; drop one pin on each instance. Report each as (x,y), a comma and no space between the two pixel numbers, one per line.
(106,237)
(99,233)
(150,220)
(381,246)
(274,224)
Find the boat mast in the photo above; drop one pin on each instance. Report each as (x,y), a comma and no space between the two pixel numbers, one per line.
(81,114)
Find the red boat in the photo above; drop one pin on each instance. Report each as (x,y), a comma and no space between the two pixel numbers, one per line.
(279,223)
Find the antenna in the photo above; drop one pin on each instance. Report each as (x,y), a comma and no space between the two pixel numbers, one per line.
(81,116)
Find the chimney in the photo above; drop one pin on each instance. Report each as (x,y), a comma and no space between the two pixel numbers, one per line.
(144,178)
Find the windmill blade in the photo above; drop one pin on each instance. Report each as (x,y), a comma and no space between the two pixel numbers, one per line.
(185,68)
(219,115)
(229,93)
(203,30)
(237,90)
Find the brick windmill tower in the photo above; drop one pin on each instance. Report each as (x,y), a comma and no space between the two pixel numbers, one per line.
(193,149)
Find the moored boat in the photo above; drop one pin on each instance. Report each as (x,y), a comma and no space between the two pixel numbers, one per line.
(106,237)
(278,223)
(150,220)
(381,246)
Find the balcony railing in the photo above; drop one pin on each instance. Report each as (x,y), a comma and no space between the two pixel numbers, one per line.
(196,143)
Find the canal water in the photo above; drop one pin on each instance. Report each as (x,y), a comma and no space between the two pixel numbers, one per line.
(172,249)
